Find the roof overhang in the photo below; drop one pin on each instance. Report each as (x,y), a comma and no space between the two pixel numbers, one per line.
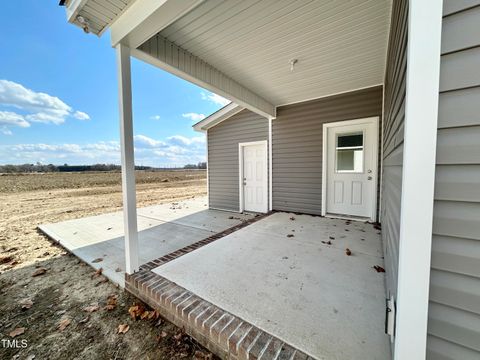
(217,117)
(258,54)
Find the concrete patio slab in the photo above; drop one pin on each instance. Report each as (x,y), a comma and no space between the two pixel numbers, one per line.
(162,229)
(305,292)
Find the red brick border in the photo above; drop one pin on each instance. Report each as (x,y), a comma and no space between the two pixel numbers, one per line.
(223,333)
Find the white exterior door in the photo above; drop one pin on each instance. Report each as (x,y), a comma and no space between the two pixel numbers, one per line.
(254,180)
(352,169)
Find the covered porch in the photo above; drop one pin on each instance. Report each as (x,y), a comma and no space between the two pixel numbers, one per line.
(265,55)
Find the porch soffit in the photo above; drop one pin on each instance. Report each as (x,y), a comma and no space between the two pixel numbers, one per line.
(339,45)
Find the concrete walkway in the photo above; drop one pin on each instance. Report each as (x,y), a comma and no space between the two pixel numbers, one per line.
(281,275)
(162,230)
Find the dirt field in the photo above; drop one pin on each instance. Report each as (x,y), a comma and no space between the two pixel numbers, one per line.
(67,312)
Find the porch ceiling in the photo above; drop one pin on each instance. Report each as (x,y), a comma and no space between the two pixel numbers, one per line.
(340,45)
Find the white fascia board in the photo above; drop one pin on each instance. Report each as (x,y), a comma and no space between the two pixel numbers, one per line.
(217,117)
(161,53)
(145,18)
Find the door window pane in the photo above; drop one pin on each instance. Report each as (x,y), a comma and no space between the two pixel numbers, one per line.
(349,153)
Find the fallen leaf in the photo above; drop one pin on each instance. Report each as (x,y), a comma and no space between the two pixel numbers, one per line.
(348,252)
(123,328)
(84,320)
(379,269)
(97,260)
(109,228)
(163,334)
(327,242)
(292,218)
(91,308)
(178,336)
(103,279)
(111,302)
(30,357)
(16,332)
(290,235)
(136,311)
(5,259)
(63,324)
(26,304)
(97,273)
(331,237)
(39,271)
(118,269)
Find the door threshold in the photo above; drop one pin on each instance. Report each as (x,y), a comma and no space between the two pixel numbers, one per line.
(348,217)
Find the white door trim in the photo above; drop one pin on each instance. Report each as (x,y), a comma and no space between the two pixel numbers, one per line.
(371,120)
(240,173)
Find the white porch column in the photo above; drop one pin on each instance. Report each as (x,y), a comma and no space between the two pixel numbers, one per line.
(128,160)
(418,179)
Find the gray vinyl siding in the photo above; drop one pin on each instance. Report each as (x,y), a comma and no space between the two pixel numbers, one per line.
(223,140)
(297,145)
(394,113)
(454,312)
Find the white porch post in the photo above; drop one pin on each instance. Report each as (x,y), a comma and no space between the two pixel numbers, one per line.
(420,141)
(270,165)
(128,160)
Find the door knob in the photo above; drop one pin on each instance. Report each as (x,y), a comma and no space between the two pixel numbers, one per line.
(369,171)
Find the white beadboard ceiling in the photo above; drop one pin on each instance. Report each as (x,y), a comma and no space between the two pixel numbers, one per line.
(99,14)
(340,45)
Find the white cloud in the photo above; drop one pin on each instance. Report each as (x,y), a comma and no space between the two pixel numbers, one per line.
(13,119)
(194,116)
(37,106)
(80,115)
(4,130)
(145,141)
(182,140)
(217,99)
(155,117)
(176,150)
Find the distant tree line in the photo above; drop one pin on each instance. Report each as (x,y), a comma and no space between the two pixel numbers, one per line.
(200,165)
(42,168)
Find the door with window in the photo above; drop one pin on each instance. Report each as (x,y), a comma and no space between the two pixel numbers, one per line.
(352,168)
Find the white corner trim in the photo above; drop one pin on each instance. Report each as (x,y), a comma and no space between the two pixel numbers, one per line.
(371,120)
(270,166)
(208,180)
(240,171)
(418,178)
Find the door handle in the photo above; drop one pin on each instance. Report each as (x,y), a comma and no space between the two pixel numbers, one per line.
(369,171)
(369,178)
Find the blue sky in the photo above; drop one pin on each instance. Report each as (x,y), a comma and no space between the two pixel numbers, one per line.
(58,96)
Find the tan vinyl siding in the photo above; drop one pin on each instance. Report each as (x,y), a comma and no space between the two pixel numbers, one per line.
(297,145)
(454,312)
(223,140)
(394,113)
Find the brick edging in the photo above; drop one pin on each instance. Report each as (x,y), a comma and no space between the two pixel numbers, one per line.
(223,333)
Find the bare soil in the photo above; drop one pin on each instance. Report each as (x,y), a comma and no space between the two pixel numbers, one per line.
(60,295)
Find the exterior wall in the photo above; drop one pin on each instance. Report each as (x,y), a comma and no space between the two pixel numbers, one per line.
(223,162)
(297,145)
(394,113)
(454,312)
